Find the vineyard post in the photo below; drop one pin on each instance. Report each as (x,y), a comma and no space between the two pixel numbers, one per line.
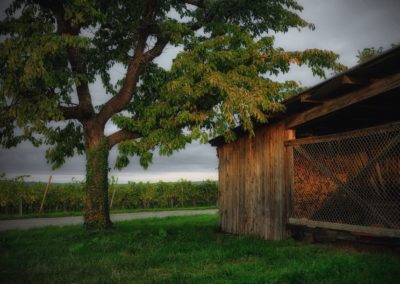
(182,196)
(44,195)
(114,189)
(20,207)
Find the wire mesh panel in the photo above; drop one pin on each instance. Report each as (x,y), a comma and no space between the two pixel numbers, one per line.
(351,178)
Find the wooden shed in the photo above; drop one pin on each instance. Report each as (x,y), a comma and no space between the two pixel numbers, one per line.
(332,160)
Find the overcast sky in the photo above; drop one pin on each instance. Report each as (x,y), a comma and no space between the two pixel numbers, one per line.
(343,26)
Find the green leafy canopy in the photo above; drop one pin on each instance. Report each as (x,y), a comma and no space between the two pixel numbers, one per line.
(52,51)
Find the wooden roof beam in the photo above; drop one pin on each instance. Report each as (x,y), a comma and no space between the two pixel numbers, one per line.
(375,88)
(332,86)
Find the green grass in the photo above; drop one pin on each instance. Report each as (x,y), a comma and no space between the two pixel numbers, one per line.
(180,250)
(80,213)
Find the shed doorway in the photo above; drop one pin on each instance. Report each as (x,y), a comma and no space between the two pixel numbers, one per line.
(348,181)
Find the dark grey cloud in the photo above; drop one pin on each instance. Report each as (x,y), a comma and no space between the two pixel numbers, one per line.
(195,162)
(344,27)
(341,25)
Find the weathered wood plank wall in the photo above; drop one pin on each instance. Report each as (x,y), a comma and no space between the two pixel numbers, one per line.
(253,183)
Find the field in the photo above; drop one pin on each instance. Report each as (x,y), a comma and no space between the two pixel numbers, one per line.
(180,250)
(18,198)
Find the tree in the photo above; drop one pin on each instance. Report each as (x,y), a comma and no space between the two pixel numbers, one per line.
(368,53)
(53,50)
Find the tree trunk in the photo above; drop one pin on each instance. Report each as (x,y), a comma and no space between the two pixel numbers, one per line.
(97,215)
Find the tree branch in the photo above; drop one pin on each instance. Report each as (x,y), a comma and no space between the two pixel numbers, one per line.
(201,4)
(197,3)
(70,112)
(136,64)
(82,88)
(157,49)
(78,66)
(119,101)
(121,135)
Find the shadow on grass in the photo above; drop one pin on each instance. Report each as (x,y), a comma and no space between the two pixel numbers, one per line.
(180,250)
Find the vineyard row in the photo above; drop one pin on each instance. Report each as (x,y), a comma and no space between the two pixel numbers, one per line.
(19,196)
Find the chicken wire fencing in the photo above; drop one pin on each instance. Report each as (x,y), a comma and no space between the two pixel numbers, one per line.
(351,178)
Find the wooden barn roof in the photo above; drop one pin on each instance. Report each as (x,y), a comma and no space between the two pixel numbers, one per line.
(363,81)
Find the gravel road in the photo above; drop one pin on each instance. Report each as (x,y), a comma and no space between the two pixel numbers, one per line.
(25,224)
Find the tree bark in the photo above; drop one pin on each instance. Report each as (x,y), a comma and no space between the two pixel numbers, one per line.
(97,215)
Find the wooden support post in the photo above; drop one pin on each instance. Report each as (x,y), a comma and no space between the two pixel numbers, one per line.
(289,174)
(20,207)
(44,195)
(114,189)
(182,201)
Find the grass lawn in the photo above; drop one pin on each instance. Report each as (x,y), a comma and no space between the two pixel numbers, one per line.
(180,250)
(80,213)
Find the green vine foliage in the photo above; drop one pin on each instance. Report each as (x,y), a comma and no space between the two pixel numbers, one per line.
(71,196)
(97,164)
(96,195)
